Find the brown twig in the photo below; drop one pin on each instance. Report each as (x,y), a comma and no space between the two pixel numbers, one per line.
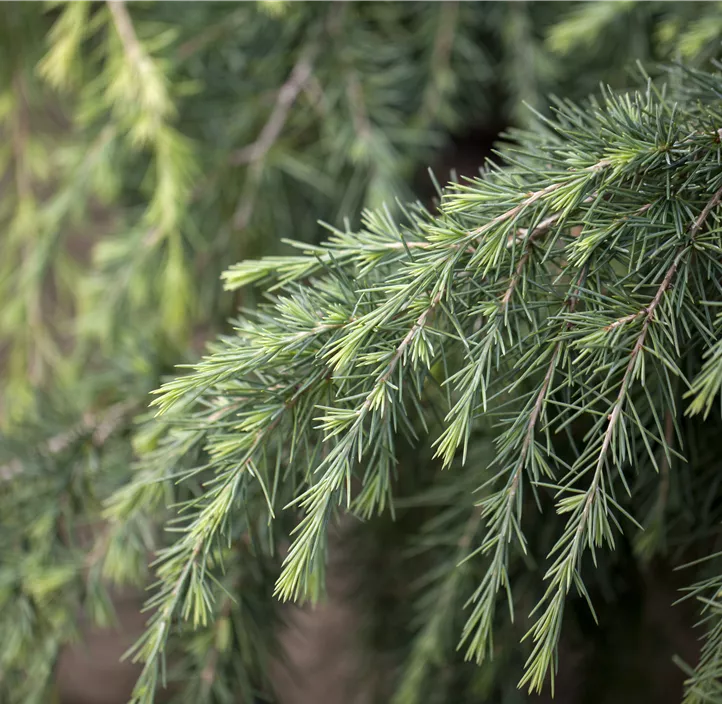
(418,326)
(713,203)
(501,540)
(129,39)
(211,34)
(410,335)
(531,199)
(255,153)
(571,303)
(616,413)
(285,98)
(19,137)
(523,232)
(260,435)
(537,232)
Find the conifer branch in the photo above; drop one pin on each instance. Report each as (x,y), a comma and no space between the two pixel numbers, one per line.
(570,547)
(535,331)
(410,336)
(502,511)
(532,198)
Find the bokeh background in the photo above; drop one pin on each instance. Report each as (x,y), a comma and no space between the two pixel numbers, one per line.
(145,147)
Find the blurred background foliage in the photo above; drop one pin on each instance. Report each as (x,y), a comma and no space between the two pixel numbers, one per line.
(148,146)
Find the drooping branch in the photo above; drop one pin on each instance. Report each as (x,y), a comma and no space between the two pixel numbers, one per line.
(563,572)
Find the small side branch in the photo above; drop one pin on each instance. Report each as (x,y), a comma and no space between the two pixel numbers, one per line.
(255,153)
(529,237)
(713,203)
(284,100)
(409,338)
(531,199)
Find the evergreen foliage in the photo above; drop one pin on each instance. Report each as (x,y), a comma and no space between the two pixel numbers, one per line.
(500,390)
(562,306)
